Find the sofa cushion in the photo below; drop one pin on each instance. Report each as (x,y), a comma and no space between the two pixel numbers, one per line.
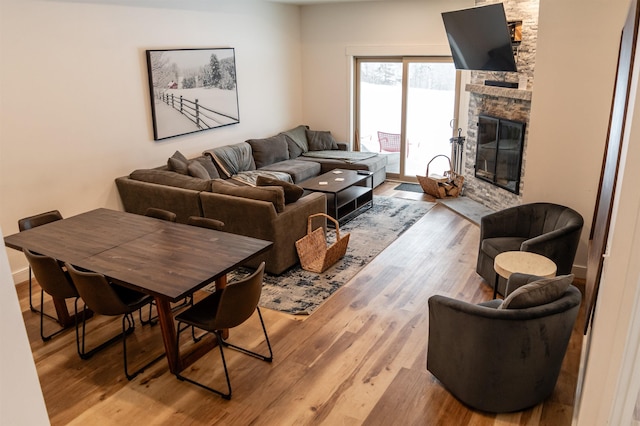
(298,170)
(232,159)
(299,136)
(292,192)
(196,169)
(169,178)
(320,140)
(539,292)
(178,163)
(294,149)
(270,150)
(273,194)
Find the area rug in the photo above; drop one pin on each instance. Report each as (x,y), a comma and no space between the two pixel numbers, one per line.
(411,187)
(300,292)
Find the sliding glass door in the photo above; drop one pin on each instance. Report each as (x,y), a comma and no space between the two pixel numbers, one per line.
(404,107)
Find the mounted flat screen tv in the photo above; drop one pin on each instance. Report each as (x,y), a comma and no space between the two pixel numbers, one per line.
(480,39)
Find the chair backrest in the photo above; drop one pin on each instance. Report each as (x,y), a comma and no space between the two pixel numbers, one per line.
(389,142)
(205,222)
(38,220)
(161,214)
(535,219)
(239,300)
(97,293)
(50,275)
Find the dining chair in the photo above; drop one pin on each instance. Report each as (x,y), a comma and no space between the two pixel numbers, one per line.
(160,214)
(32,222)
(53,280)
(107,298)
(226,308)
(205,222)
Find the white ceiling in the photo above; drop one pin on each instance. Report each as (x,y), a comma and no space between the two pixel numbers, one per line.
(303,2)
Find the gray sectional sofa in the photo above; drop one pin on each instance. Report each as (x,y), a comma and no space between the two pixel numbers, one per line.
(223,184)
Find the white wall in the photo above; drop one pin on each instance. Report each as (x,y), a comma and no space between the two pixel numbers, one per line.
(333,33)
(21,401)
(572,90)
(75,109)
(573,87)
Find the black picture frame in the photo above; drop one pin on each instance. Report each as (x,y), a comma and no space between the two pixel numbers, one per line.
(192,90)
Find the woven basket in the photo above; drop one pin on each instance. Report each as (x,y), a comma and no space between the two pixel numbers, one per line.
(314,254)
(448,185)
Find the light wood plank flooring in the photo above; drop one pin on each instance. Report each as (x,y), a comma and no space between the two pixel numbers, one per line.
(359,359)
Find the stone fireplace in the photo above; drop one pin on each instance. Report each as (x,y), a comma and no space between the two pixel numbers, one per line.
(505,104)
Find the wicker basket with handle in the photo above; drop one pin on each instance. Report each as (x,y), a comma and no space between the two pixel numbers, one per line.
(315,255)
(448,185)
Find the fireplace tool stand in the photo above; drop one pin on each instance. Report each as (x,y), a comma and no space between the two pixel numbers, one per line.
(457,148)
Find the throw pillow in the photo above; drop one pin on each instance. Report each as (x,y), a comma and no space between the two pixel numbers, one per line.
(292,192)
(273,194)
(270,150)
(321,140)
(178,163)
(537,293)
(294,149)
(196,169)
(206,161)
(299,136)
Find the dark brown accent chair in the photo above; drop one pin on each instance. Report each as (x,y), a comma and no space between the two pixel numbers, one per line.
(53,280)
(161,214)
(29,223)
(550,230)
(498,359)
(224,309)
(205,222)
(107,298)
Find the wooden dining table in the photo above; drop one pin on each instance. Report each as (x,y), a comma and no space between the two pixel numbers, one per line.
(164,259)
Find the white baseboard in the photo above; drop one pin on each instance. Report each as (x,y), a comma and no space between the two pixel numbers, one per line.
(20,275)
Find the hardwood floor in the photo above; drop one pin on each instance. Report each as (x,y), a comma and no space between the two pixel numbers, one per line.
(359,359)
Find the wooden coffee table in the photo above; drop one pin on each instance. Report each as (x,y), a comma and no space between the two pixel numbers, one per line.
(346,195)
(509,262)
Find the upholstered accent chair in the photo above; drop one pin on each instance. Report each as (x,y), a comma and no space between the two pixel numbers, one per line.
(550,230)
(503,355)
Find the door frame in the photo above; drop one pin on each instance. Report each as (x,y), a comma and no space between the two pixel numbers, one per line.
(404,60)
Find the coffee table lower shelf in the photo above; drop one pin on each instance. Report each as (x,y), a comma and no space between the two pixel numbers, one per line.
(350,202)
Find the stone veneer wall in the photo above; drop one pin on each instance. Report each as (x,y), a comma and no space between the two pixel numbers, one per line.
(510,104)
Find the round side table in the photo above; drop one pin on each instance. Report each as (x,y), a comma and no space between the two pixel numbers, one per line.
(508,262)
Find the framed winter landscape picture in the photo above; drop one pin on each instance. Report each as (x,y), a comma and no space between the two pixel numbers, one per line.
(192,90)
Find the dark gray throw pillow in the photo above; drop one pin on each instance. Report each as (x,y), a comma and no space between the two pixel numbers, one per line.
(178,163)
(298,136)
(536,293)
(292,192)
(269,150)
(207,163)
(294,149)
(320,140)
(196,169)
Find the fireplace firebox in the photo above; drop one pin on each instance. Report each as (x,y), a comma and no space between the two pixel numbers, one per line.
(499,152)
